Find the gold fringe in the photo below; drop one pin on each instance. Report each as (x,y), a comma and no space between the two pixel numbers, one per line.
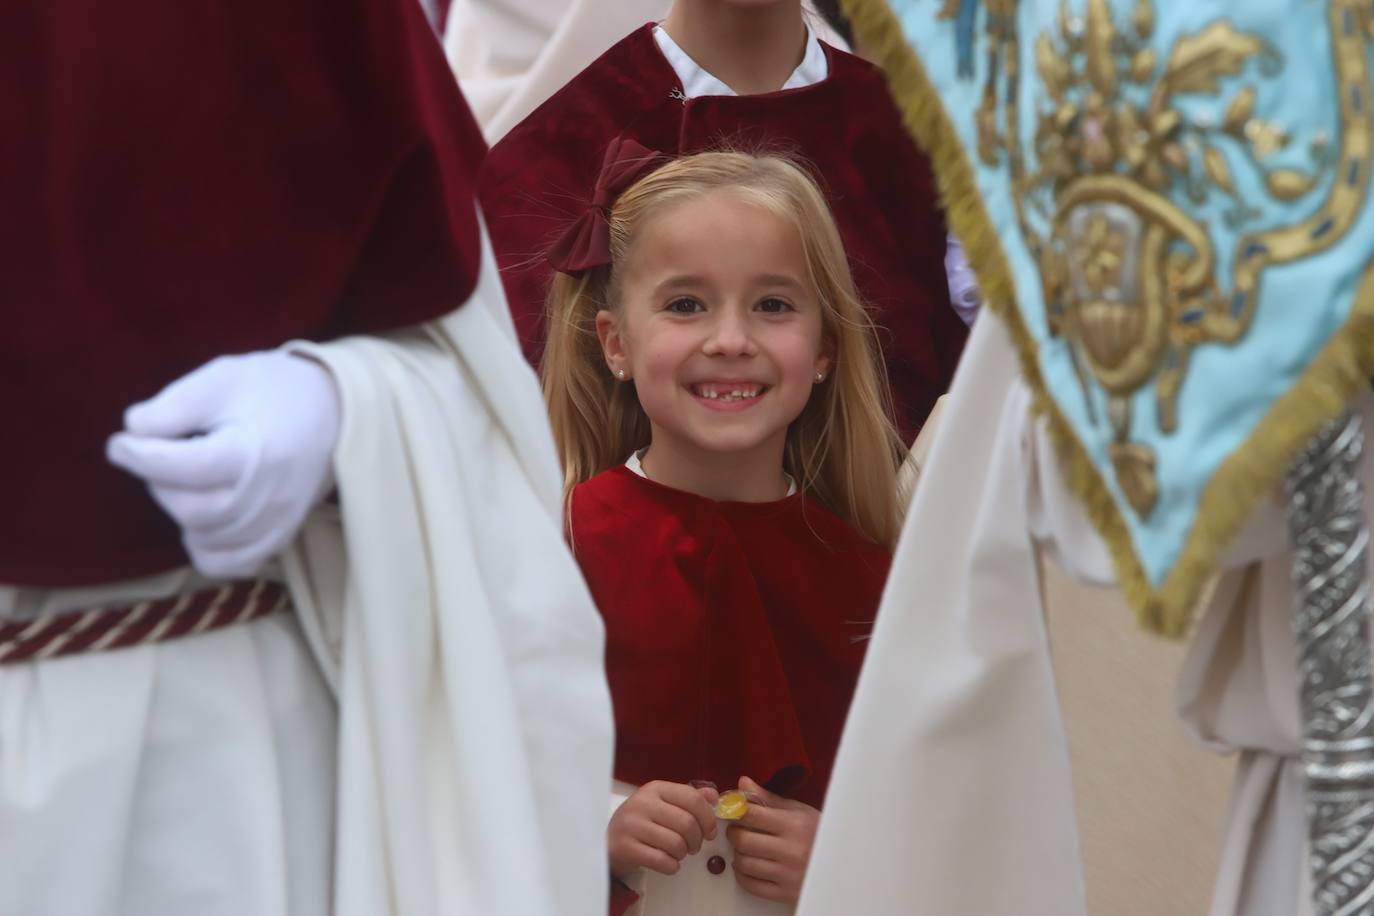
(1340,371)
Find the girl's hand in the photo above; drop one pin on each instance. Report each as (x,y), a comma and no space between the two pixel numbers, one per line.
(660,825)
(772,844)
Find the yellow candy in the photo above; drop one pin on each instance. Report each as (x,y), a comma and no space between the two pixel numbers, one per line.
(732,806)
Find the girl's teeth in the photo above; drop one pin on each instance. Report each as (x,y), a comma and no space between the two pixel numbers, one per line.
(736,395)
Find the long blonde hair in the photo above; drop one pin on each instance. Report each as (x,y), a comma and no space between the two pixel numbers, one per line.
(842,450)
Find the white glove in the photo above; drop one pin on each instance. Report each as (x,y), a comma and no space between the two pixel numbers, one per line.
(963,283)
(237,452)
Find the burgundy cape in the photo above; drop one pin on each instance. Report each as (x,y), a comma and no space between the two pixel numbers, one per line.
(734,631)
(181,180)
(541,175)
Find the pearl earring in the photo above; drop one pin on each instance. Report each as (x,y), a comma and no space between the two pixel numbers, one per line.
(620,374)
(820,376)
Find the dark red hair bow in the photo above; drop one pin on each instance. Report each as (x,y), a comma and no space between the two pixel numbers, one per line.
(587,242)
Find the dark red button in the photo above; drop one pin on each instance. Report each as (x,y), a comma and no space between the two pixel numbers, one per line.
(715,865)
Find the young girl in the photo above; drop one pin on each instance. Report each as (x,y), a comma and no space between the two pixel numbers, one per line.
(717,398)
(746,72)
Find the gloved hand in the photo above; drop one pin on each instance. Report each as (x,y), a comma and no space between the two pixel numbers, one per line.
(237,452)
(963,283)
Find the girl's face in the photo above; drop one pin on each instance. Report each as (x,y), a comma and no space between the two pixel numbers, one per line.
(718,326)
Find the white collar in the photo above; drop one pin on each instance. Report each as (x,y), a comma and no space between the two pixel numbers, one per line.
(697,82)
(634,464)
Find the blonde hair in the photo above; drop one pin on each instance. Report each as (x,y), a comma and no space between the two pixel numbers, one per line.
(842,450)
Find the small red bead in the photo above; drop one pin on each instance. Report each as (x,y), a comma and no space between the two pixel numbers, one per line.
(715,865)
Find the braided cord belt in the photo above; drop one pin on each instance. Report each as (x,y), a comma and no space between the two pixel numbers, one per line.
(141,624)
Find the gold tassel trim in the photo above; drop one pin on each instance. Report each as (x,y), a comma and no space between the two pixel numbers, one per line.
(1340,371)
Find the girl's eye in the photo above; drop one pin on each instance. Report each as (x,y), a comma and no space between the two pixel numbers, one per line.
(684,305)
(774,305)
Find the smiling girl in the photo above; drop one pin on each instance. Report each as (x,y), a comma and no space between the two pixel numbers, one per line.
(715,393)
(749,73)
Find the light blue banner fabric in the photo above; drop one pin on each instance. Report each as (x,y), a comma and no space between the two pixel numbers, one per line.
(1181,192)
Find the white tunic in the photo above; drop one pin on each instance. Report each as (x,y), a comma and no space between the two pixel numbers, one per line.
(193,776)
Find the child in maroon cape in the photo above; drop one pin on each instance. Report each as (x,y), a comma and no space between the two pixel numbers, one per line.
(719,405)
(748,74)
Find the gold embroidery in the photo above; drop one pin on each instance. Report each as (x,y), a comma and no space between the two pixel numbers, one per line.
(1339,372)
(1129,276)
(1134,465)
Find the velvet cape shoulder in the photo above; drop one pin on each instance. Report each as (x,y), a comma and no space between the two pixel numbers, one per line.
(735,631)
(181,180)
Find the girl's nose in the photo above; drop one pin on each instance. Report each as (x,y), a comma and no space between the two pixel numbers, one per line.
(730,335)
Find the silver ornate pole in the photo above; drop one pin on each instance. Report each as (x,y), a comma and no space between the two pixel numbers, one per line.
(1329,534)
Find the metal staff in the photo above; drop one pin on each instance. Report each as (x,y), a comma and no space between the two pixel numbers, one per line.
(1330,535)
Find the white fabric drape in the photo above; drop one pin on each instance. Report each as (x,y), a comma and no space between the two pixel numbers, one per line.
(951,792)
(475,730)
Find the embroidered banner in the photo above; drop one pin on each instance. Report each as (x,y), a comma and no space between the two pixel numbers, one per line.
(1169,205)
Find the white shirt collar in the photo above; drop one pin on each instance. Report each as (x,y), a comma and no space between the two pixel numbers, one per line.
(697,82)
(634,464)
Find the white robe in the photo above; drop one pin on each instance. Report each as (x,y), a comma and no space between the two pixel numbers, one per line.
(473,741)
(951,792)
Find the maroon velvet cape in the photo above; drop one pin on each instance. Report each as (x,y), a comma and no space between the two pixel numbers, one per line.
(734,631)
(541,175)
(181,180)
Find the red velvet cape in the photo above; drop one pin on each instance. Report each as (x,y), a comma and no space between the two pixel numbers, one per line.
(180,180)
(734,631)
(541,175)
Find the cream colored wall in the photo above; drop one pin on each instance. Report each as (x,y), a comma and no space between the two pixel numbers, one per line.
(1151,802)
